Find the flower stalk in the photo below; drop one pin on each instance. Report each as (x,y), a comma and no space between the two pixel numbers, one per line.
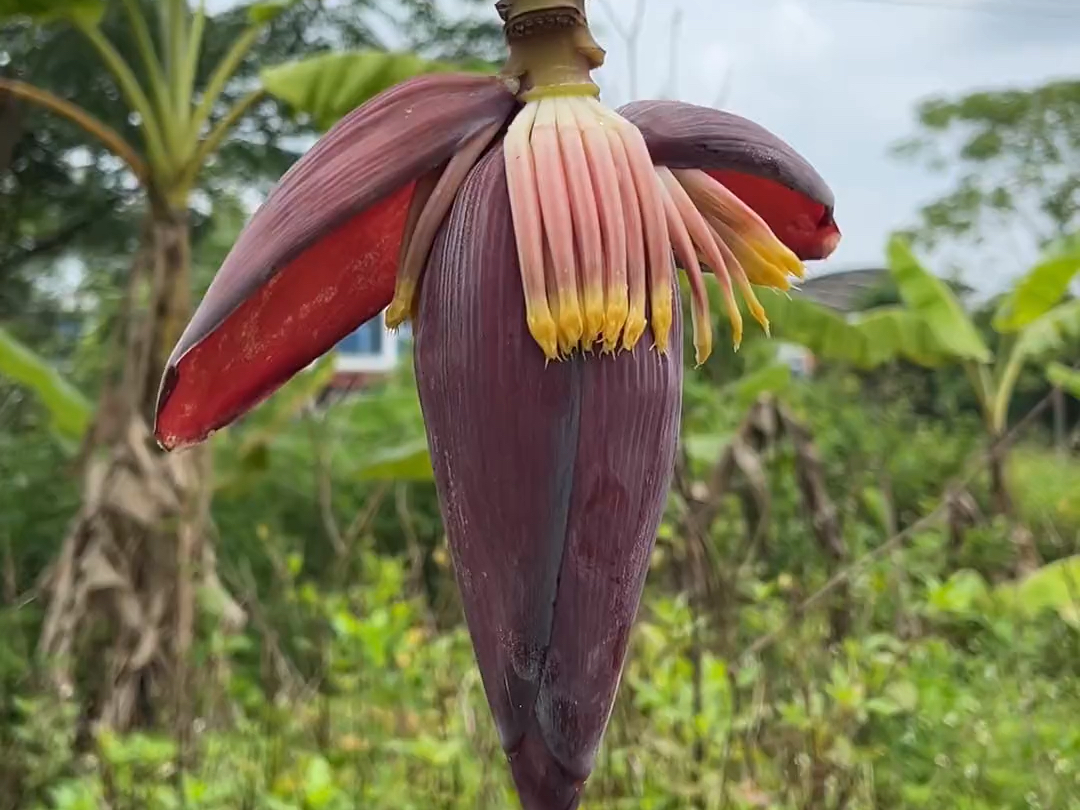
(551,46)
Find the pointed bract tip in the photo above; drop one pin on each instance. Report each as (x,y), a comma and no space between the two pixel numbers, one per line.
(829,242)
(761,169)
(542,783)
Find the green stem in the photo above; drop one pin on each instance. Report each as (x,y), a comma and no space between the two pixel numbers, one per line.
(222,73)
(982,385)
(1005,388)
(176,30)
(191,61)
(133,92)
(108,136)
(213,140)
(148,52)
(550,44)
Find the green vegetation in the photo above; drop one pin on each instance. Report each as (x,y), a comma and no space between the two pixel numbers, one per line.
(353,682)
(836,615)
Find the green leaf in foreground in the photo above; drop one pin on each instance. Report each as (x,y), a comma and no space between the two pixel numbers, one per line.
(706,447)
(1050,332)
(70,410)
(771,379)
(329,86)
(266,11)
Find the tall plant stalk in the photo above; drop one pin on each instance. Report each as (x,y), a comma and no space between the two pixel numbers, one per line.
(138,551)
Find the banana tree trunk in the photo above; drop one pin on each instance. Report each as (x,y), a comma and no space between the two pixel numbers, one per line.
(138,550)
(1058,404)
(1001,503)
(1000,498)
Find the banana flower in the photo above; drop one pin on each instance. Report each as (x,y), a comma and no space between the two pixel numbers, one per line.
(532,235)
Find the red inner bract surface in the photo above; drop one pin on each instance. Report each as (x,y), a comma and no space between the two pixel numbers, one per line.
(345,279)
(331,288)
(805,226)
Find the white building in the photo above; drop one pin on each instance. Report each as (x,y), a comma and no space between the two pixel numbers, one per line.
(370,351)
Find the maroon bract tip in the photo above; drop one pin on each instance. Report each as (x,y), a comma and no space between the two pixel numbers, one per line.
(766,173)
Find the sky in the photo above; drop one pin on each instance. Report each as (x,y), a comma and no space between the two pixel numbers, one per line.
(839,81)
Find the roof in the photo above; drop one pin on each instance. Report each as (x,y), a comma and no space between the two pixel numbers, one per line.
(846,290)
(851,290)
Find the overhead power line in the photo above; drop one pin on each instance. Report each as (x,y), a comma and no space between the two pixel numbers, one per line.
(1063,10)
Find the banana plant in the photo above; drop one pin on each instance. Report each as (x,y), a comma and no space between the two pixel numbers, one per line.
(178,129)
(1033,321)
(865,341)
(329,86)
(175,117)
(931,328)
(181,123)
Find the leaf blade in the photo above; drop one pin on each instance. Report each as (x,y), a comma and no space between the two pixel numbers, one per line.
(409,461)
(1065,378)
(71,412)
(930,297)
(329,86)
(86,12)
(1049,332)
(866,341)
(1039,290)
